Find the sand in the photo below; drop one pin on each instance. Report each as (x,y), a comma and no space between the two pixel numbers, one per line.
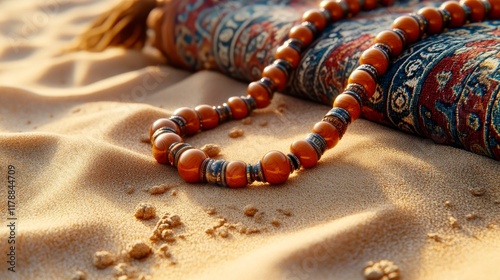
(72,129)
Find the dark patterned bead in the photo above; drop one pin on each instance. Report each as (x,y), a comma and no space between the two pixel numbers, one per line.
(284,66)
(345,7)
(357,89)
(355,95)
(181,123)
(422,23)
(487,7)
(369,69)
(250,178)
(268,85)
(250,102)
(294,161)
(401,34)
(175,150)
(385,49)
(295,44)
(326,14)
(311,27)
(446,16)
(224,113)
(339,118)
(467,10)
(258,173)
(215,171)
(318,143)
(160,131)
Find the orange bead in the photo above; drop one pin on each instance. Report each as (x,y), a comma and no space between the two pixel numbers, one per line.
(316,18)
(391,39)
(354,6)
(410,26)
(366,80)
(495,9)
(159,123)
(328,132)
(348,102)
(191,117)
(236,174)
(260,94)
(161,145)
(434,20)
(208,115)
(238,107)
(289,54)
(478,12)
(370,4)
(277,75)
(456,12)
(276,167)
(302,33)
(334,8)
(189,165)
(376,58)
(305,152)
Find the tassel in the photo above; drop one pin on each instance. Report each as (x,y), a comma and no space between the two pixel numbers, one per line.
(124,25)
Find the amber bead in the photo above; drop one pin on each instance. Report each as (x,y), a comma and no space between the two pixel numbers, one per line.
(276,167)
(434,20)
(370,4)
(259,93)
(305,152)
(334,9)
(189,165)
(159,123)
(208,115)
(161,145)
(376,58)
(289,54)
(191,117)
(316,18)
(366,80)
(328,132)
(302,33)
(354,6)
(238,107)
(477,9)
(236,174)
(349,103)
(457,13)
(277,75)
(495,9)
(391,39)
(410,26)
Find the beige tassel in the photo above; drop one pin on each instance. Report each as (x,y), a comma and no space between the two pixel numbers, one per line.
(124,25)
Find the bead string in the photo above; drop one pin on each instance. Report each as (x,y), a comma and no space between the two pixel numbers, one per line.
(275,167)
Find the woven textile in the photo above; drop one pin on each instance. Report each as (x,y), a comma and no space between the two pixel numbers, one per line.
(445,87)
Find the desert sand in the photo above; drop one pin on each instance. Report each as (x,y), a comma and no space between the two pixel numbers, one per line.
(89,196)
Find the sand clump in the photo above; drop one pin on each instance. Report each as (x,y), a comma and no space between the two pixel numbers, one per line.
(454,222)
(236,132)
(145,211)
(477,191)
(212,150)
(103,259)
(381,270)
(211,211)
(79,275)
(159,189)
(139,250)
(164,229)
(247,121)
(250,210)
